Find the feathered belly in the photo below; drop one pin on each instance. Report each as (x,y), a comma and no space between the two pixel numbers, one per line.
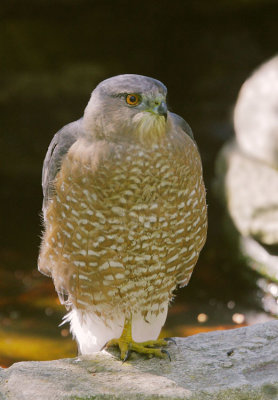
(123,239)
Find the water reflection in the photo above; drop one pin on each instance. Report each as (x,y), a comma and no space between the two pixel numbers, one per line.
(29,320)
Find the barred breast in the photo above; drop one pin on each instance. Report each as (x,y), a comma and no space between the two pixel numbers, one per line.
(126,225)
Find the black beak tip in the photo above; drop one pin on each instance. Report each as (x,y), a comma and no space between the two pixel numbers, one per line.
(162,110)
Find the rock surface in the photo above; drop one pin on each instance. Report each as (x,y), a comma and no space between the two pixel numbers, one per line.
(247,174)
(255,114)
(239,364)
(250,188)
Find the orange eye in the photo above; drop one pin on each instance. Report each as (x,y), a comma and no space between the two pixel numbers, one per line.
(133,99)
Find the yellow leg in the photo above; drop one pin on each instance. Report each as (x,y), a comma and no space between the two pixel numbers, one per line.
(126,344)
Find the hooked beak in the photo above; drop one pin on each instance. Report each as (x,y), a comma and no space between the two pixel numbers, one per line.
(158,109)
(162,109)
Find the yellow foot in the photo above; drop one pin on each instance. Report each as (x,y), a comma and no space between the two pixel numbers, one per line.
(126,345)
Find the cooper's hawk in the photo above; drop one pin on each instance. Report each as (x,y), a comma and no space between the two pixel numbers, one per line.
(125,215)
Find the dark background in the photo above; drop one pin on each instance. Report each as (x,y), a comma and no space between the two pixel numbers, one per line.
(53,53)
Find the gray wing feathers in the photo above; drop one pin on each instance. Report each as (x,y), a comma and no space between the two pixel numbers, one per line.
(59,146)
(183,124)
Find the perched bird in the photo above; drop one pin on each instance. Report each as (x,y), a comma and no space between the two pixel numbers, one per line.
(125,215)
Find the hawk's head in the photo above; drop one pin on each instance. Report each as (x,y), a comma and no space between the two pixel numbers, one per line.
(127,107)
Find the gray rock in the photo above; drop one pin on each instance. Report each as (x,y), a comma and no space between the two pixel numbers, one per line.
(238,364)
(246,170)
(250,189)
(256,114)
(261,260)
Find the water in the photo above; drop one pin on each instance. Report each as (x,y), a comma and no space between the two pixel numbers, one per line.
(53,54)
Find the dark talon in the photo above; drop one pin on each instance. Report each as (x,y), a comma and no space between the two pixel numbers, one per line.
(104,346)
(169,339)
(127,354)
(166,352)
